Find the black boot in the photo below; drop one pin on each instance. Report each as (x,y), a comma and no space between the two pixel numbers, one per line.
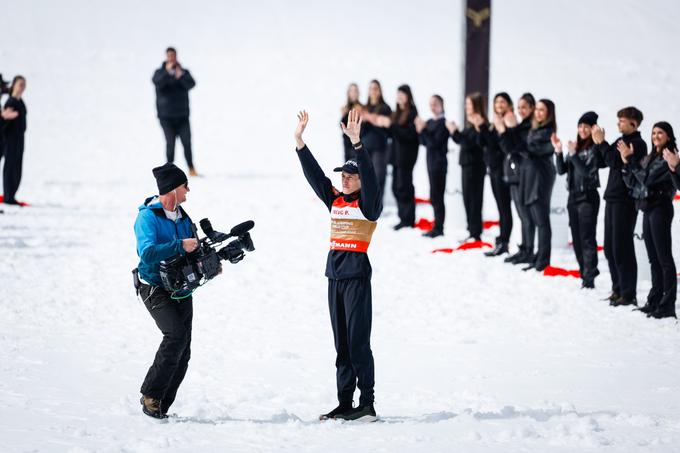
(365,413)
(647,308)
(611,298)
(152,407)
(623,301)
(401,225)
(433,233)
(527,258)
(343,408)
(660,313)
(501,248)
(514,257)
(588,284)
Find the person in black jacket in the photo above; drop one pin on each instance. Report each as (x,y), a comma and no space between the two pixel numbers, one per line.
(13,131)
(354,212)
(352,103)
(620,214)
(406,146)
(513,141)
(581,167)
(434,135)
(652,188)
(541,179)
(173,83)
(471,162)
(494,159)
(375,130)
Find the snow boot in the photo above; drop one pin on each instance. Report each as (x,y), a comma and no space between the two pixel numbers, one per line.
(152,407)
(364,414)
(343,408)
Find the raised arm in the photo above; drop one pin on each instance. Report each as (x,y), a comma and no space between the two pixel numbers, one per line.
(316,178)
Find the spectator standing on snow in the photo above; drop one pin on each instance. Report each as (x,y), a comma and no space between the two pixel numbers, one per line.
(14,129)
(375,130)
(581,166)
(354,213)
(652,189)
(471,162)
(434,135)
(541,179)
(494,159)
(620,214)
(173,83)
(351,103)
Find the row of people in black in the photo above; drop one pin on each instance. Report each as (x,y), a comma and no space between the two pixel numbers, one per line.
(522,157)
(12,130)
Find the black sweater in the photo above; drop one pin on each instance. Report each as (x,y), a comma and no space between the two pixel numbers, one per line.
(172,95)
(649,180)
(616,190)
(471,152)
(513,142)
(493,153)
(582,172)
(540,173)
(17,126)
(435,137)
(406,141)
(342,264)
(374,137)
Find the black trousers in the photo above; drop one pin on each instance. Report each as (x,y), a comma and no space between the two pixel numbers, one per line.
(437,189)
(473,197)
(349,302)
(173,128)
(379,159)
(404,192)
(656,228)
(540,215)
(583,225)
(173,318)
(619,248)
(11,172)
(528,227)
(501,192)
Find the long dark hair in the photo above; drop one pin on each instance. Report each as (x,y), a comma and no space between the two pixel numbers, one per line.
(401,115)
(14,82)
(583,143)
(551,120)
(668,129)
(381,100)
(478,106)
(440,99)
(349,104)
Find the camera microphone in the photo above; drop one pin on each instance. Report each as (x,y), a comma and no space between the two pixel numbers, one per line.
(239,229)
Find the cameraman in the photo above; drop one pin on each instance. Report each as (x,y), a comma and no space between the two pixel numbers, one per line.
(163,230)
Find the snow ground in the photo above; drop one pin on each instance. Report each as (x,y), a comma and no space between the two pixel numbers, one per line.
(471,354)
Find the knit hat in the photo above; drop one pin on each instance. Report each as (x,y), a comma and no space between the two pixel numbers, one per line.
(349,167)
(168,177)
(589,118)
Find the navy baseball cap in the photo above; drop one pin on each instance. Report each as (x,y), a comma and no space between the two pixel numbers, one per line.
(349,167)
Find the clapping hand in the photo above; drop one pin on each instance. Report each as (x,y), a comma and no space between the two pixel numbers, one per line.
(556,142)
(624,150)
(9,114)
(510,119)
(451,126)
(671,158)
(597,134)
(420,124)
(572,147)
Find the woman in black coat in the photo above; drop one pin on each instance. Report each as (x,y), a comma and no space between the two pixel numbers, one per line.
(351,103)
(375,130)
(434,135)
(14,130)
(581,166)
(406,145)
(471,162)
(653,190)
(541,178)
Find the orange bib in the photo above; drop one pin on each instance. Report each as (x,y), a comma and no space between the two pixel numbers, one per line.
(350,229)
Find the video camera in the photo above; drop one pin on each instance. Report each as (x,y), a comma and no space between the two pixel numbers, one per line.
(182,274)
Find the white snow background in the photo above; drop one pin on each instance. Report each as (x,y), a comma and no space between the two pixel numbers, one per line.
(471,354)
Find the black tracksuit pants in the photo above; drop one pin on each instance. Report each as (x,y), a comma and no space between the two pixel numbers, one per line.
(437,189)
(583,225)
(11,172)
(173,128)
(473,197)
(528,227)
(619,248)
(173,318)
(656,228)
(404,192)
(349,302)
(379,159)
(501,192)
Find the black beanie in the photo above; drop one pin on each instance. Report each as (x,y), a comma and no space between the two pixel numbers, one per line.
(168,177)
(589,118)
(668,129)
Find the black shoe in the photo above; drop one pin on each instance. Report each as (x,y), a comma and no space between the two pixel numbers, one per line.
(501,248)
(588,284)
(611,298)
(661,314)
(365,413)
(433,233)
(152,407)
(622,301)
(647,308)
(515,257)
(341,409)
(529,267)
(527,258)
(401,225)
(540,267)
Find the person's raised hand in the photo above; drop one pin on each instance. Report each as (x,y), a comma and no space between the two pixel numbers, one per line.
(510,119)
(597,134)
(625,150)
(556,142)
(353,128)
(672,158)
(451,126)
(303,119)
(419,123)
(189,245)
(9,114)
(572,147)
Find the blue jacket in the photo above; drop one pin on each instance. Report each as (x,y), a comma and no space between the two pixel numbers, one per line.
(158,238)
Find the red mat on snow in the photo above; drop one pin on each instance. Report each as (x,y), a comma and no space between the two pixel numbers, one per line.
(466,246)
(422,200)
(552,271)
(676,197)
(21,203)
(490,223)
(424,224)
